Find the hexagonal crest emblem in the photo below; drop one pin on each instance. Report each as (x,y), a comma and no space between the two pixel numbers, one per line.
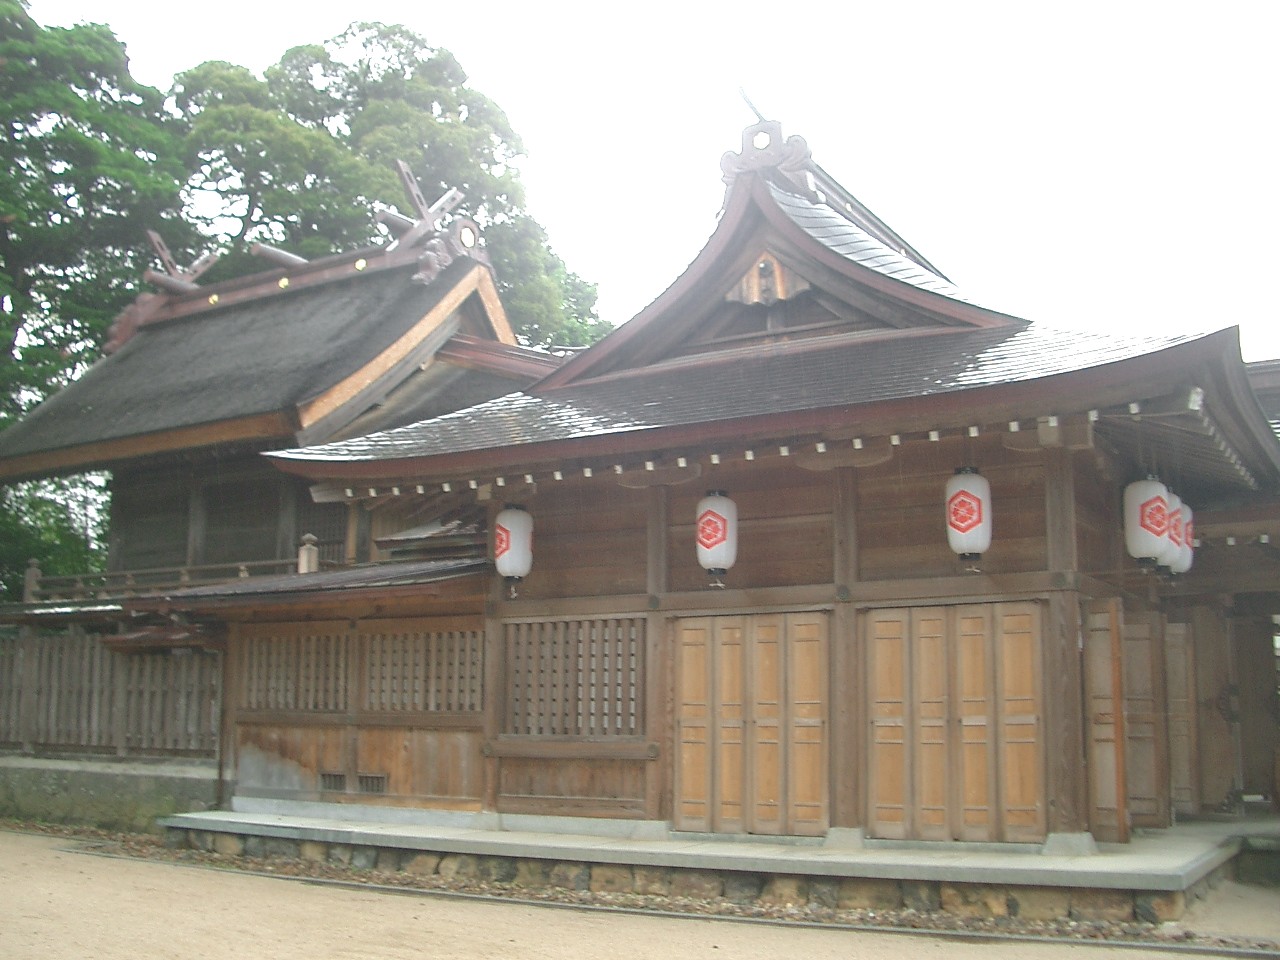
(964,511)
(501,540)
(713,529)
(1154,517)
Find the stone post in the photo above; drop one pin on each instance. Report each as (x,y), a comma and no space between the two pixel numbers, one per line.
(31,581)
(309,554)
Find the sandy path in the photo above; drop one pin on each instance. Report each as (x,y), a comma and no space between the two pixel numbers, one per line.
(56,903)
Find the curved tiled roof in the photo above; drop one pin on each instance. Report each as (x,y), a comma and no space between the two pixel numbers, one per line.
(838,233)
(842,372)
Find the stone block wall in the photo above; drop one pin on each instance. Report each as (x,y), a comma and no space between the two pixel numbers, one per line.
(124,795)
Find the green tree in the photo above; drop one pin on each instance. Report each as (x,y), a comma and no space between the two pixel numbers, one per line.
(299,157)
(52,521)
(89,159)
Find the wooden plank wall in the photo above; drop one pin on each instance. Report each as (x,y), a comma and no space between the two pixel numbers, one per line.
(375,711)
(589,541)
(10,689)
(785,527)
(900,510)
(1099,522)
(65,692)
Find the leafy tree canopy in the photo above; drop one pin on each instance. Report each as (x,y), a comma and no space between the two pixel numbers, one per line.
(89,159)
(300,157)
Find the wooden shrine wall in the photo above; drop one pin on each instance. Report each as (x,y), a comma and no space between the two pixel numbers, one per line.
(360,711)
(589,540)
(900,511)
(572,719)
(221,512)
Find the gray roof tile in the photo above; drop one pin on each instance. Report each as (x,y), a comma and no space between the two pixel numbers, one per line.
(838,233)
(846,371)
(245,359)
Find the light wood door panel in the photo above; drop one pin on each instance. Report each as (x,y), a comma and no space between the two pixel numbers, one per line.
(956,745)
(752,725)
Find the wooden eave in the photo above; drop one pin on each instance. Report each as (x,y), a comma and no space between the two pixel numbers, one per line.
(501,358)
(1106,385)
(750,223)
(342,604)
(338,403)
(266,427)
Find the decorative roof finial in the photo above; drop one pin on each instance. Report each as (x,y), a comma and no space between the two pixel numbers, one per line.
(763,148)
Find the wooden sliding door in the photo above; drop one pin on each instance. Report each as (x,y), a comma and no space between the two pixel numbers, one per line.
(955,748)
(751,724)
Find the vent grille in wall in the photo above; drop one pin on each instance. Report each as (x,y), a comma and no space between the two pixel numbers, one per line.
(333,782)
(372,783)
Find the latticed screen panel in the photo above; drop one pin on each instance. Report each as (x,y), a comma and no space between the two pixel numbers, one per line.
(575,678)
(435,672)
(306,673)
(392,671)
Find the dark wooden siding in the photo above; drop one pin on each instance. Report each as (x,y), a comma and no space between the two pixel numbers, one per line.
(64,692)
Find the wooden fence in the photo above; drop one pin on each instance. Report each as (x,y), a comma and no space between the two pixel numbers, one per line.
(66,693)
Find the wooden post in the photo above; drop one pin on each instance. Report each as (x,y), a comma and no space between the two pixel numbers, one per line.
(31,581)
(1066,791)
(494,689)
(847,688)
(197,523)
(659,671)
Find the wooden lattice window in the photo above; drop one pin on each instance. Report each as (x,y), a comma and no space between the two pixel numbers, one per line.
(416,671)
(295,673)
(575,678)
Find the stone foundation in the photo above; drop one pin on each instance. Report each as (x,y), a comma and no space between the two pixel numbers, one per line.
(115,795)
(985,900)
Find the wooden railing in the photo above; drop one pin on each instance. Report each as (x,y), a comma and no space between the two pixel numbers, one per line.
(38,588)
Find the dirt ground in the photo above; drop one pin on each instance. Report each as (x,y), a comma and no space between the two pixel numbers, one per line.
(59,901)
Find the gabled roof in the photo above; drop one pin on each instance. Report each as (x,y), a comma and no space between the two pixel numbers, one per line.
(806,316)
(295,354)
(828,265)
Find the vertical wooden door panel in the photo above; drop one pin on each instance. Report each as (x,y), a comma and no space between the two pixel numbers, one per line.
(1104,711)
(729,670)
(975,707)
(889,782)
(693,726)
(1146,749)
(1020,711)
(931,718)
(807,777)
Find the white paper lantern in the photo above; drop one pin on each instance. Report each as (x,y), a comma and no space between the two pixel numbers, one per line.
(1146,519)
(968,513)
(1173,534)
(1186,553)
(513,542)
(716,532)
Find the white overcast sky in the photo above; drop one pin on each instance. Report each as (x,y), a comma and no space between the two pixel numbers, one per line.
(1106,165)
